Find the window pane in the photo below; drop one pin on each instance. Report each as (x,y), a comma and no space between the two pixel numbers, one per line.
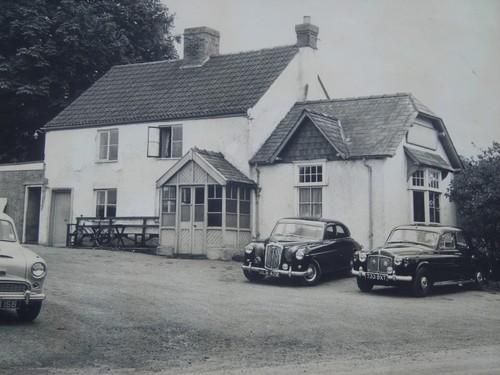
(168,220)
(199,195)
(231,205)
(244,221)
(214,220)
(113,152)
(99,211)
(101,197)
(232,220)
(177,133)
(113,137)
(418,206)
(176,149)
(185,213)
(304,195)
(199,213)
(103,152)
(316,195)
(304,210)
(112,196)
(111,211)
(245,207)
(215,205)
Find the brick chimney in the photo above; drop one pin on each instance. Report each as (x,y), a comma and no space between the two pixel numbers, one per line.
(307,34)
(199,44)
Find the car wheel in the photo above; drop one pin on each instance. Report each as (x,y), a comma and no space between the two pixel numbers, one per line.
(364,285)
(313,274)
(253,276)
(479,278)
(28,313)
(422,283)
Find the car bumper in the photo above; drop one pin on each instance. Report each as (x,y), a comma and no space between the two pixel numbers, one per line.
(277,272)
(389,277)
(26,297)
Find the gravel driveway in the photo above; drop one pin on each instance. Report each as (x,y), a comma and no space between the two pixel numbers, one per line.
(111,312)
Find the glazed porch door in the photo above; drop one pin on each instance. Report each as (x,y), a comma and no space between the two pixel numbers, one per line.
(192,220)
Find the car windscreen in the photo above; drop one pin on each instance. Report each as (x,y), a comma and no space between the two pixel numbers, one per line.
(288,230)
(7,232)
(414,236)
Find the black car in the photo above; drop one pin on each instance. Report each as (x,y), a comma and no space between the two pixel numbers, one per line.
(304,248)
(419,256)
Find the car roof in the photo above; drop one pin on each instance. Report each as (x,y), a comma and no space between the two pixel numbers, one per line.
(321,220)
(435,227)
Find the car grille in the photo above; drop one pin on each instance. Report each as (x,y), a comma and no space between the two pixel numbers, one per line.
(273,256)
(13,288)
(377,263)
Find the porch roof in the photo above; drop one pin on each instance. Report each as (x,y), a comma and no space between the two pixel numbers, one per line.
(420,158)
(214,163)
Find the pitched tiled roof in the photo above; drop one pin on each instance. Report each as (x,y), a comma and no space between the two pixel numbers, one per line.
(228,171)
(225,84)
(371,126)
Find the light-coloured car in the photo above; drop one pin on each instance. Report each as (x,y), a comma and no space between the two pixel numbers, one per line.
(22,273)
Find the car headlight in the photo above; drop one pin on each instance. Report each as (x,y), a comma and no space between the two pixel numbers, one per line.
(248,249)
(398,260)
(38,270)
(299,254)
(362,257)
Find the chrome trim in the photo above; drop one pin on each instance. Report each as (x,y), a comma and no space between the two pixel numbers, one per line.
(389,277)
(288,273)
(272,260)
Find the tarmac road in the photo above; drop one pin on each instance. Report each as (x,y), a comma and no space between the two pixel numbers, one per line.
(110,312)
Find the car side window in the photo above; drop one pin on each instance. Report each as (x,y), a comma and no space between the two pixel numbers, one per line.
(461,241)
(341,233)
(447,242)
(330,233)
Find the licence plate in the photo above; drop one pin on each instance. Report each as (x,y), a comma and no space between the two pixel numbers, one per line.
(9,304)
(375,276)
(274,273)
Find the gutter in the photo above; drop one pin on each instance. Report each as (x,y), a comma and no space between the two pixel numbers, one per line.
(257,196)
(370,202)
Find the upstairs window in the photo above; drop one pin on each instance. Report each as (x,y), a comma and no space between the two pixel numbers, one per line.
(105,203)
(108,145)
(165,141)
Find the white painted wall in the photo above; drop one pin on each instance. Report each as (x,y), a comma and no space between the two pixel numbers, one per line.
(288,89)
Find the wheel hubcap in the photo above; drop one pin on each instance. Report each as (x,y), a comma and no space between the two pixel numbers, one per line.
(424,282)
(479,277)
(311,273)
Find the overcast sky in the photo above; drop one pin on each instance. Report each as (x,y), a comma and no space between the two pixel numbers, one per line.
(445,52)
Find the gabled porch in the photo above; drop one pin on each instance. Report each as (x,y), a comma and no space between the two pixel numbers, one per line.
(205,206)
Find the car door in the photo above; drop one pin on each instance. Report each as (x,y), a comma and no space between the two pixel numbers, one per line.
(447,262)
(330,252)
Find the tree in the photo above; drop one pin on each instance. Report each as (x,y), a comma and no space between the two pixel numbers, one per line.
(476,192)
(53,50)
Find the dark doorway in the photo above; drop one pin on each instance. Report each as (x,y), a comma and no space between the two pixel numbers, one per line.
(32,223)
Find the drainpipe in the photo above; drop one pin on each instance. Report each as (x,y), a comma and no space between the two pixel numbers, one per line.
(370,202)
(257,195)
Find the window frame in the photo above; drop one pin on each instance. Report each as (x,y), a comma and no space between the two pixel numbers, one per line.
(105,204)
(316,171)
(108,146)
(426,182)
(156,141)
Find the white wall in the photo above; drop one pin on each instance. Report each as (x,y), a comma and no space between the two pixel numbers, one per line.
(288,89)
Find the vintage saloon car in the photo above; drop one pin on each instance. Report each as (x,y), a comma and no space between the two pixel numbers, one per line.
(22,274)
(419,256)
(301,247)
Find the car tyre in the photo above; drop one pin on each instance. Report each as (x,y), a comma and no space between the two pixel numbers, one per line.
(28,313)
(479,278)
(364,285)
(313,274)
(253,276)
(422,283)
